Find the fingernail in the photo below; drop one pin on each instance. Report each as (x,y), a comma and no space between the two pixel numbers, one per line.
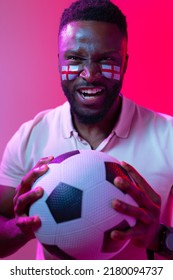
(116,204)
(38,191)
(47,158)
(114,234)
(119,180)
(35,219)
(41,168)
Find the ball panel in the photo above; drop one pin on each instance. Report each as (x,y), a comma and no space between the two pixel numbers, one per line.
(101,211)
(57,252)
(50,179)
(48,239)
(65,203)
(73,227)
(48,225)
(63,157)
(82,172)
(98,155)
(85,244)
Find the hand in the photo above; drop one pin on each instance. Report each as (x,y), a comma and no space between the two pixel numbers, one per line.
(24,197)
(146,231)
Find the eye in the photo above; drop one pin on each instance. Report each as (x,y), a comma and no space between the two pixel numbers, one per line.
(73,57)
(113,59)
(108,59)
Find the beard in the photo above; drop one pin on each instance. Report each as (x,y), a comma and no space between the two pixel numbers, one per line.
(89,116)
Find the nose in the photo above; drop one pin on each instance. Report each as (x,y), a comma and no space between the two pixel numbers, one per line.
(91,72)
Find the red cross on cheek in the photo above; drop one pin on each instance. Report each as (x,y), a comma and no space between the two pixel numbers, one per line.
(111,71)
(69,72)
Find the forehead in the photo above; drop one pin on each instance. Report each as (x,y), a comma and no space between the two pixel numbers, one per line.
(91,35)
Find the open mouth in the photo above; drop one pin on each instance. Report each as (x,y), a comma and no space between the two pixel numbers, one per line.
(90,93)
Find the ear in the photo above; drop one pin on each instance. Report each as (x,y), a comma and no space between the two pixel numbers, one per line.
(58,62)
(126,63)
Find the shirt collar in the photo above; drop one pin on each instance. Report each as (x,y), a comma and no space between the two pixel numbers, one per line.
(67,124)
(123,125)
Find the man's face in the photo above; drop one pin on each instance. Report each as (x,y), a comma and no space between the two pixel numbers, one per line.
(87,47)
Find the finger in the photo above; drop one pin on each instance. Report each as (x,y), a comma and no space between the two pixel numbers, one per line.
(39,169)
(23,201)
(30,178)
(134,211)
(28,224)
(141,197)
(136,176)
(141,182)
(121,235)
(44,160)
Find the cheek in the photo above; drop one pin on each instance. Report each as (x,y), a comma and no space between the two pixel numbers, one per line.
(67,86)
(111,71)
(69,72)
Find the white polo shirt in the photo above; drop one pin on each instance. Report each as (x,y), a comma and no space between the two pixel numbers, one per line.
(141,137)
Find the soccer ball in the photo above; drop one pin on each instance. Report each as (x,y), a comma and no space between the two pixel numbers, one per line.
(75,210)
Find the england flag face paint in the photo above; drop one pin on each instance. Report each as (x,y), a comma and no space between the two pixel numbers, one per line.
(111,71)
(69,72)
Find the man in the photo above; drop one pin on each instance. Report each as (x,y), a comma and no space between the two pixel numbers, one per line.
(92,63)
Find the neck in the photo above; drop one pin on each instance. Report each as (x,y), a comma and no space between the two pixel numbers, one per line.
(94,134)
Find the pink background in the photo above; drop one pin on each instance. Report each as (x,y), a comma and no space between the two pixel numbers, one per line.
(29,79)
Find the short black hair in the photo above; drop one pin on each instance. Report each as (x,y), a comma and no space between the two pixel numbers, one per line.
(97,10)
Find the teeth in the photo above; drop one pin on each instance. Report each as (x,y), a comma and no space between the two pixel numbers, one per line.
(91,91)
(88,96)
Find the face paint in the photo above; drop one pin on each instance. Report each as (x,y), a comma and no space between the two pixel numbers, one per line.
(111,71)
(69,72)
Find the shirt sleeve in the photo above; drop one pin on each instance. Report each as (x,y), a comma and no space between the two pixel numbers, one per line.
(12,165)
(18,157)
